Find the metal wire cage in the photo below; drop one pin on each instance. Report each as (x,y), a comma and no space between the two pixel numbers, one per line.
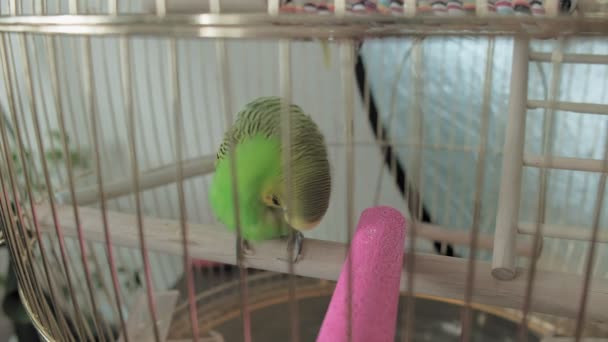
(113,111)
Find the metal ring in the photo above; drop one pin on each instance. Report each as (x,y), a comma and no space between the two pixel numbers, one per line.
(42,331)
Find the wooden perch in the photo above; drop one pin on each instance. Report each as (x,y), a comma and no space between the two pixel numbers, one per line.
(147,180)
(462,238)
(555,293)
(167,174)
(564,232)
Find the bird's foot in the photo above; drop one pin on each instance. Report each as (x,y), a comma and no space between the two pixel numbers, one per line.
(295,241)
(246,247)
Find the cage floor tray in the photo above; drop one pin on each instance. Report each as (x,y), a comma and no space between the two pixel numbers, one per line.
(218,310)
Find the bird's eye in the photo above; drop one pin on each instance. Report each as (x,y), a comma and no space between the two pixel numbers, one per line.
(275,201)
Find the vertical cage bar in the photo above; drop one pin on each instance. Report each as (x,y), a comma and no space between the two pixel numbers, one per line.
(5,213)
(11,218)
(179,133)
(8,217)
(384,142)
(481,7)
(347,57)
(128,102)
(551,7)
(163,95)
(157,115)
(409,7)
(580,320)
(38,133)
(20,107)
(15,245)
(340,8)
(593,262)
(112,7)
(23,273)
(214,6)
(98,174)
(72,6)
(113,109)
(69,100)
(196,127)
(414,196)
(21,147)
(60,279)
(286,150)
(443,103)
(479,181)
(45,110)
(16,219)
(273,7)
(2,240)
(108,296)
(80,278)
(146,155)
(161,8)
(226,108)
(12,7)
(88,85)
(503,258)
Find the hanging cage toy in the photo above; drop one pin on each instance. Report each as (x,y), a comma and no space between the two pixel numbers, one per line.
(260,170)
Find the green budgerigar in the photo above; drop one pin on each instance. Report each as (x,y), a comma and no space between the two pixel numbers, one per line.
(263,205)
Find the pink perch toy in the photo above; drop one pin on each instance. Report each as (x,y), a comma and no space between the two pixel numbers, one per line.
(376,256)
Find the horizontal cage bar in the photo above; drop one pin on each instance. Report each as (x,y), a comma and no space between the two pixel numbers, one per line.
(584,108)
(304,26)
(564,163)
(579,58)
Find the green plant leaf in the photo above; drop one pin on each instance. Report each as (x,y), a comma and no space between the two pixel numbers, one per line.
(54,155)
(78,160)
(65,291)
(55,135)
(97,279)
(137,279)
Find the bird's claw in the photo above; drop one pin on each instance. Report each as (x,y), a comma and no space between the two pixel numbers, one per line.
(295,241)
(246,247)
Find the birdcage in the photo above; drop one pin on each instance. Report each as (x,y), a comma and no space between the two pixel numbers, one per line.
(482,121)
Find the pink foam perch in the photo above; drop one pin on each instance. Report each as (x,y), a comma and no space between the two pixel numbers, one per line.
(376,256)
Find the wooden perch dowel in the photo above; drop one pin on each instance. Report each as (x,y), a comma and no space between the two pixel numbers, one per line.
(555,293)
(461,237)
(147,180)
